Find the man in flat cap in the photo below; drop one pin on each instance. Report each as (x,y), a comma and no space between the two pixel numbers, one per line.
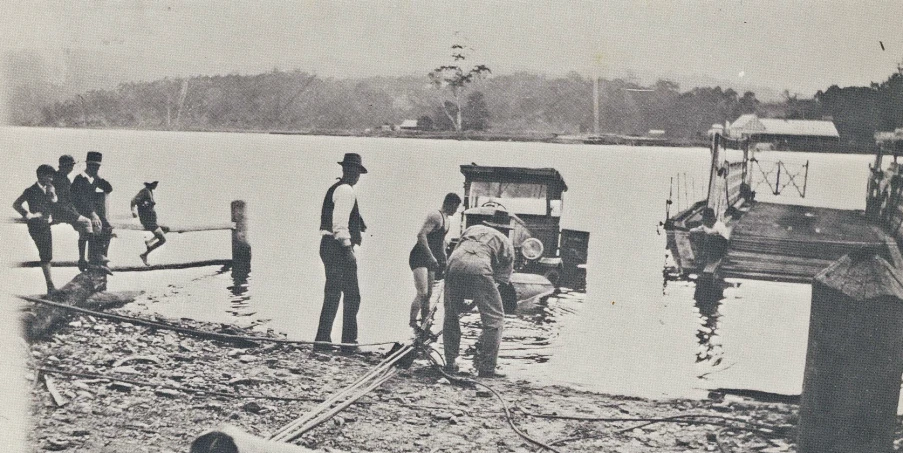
(483,260)
(89,192)
(64,209)
(341,227)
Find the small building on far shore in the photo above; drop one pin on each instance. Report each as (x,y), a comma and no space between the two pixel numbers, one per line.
(409,125)
(784,134)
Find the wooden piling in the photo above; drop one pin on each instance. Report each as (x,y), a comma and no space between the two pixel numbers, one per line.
(241,246)
(854,359)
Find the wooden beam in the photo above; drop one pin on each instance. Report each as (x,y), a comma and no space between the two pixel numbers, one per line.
(155,267)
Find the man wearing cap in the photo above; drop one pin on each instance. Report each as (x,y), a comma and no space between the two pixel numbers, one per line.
(341,226)
(89,193)
(483,259)
(64,209)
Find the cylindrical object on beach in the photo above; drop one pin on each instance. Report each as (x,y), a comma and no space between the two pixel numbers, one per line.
(228,438)
(241,246)
(854,358)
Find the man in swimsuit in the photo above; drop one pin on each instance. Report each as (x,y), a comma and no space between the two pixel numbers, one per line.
(428,257)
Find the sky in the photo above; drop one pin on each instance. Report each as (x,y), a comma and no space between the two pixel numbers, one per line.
(801,45)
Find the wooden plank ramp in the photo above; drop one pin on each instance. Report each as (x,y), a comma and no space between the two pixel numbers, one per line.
(792,243)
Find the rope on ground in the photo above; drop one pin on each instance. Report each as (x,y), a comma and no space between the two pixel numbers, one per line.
(242,339)
(500,398)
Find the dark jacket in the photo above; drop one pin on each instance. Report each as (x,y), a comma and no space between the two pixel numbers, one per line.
(88,197)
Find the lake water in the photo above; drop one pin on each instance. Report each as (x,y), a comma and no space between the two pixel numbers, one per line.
(632,333)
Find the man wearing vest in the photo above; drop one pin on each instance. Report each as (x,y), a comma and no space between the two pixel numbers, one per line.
(341,226)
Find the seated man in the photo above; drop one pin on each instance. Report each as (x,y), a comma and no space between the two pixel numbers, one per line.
(712,237)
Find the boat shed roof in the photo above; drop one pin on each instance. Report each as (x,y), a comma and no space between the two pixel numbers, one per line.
(751,124)
(548,176)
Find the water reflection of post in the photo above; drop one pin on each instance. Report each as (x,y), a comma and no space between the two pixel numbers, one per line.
(708,295)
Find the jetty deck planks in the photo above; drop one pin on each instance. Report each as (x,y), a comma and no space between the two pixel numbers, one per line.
(792,243)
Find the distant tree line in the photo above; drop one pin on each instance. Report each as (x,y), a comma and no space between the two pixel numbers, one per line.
(515,103)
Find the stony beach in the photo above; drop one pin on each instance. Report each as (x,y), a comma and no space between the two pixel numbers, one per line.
(117,386)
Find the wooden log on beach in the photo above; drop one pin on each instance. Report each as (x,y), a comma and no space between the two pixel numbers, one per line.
(229,439)
(41,321)
(155,267)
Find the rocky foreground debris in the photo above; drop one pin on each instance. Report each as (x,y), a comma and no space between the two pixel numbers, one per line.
(119,387)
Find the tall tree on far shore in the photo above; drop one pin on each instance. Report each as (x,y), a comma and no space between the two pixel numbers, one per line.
(454,79)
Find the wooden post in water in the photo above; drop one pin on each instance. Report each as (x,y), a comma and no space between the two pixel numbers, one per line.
(854,358)
(241,247)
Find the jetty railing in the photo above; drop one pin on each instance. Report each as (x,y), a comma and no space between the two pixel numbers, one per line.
(240,262)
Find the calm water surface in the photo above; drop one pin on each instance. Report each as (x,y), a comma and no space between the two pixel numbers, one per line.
(631,333)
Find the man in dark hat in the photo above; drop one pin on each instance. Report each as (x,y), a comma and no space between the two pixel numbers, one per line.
(64,209)
(89,192)
(341,228)
(483,260)
(143,208)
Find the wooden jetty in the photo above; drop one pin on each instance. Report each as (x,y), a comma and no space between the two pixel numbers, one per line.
(792,243)
(784,242)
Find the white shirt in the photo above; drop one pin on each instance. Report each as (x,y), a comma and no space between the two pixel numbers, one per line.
(343,199)
(718,228)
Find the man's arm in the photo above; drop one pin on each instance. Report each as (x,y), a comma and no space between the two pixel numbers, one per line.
(17,205)
(135,201)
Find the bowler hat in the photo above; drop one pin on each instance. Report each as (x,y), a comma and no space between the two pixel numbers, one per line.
(151,185)
(66,159)
(94,157)
(353,160)
(500,219)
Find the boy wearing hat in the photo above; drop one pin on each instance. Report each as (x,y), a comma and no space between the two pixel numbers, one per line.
(143,208)
(483,260)
(89,193)
(65,211)
(40,198)
(341,228)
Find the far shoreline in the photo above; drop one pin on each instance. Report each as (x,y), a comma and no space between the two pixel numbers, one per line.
(553,138)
